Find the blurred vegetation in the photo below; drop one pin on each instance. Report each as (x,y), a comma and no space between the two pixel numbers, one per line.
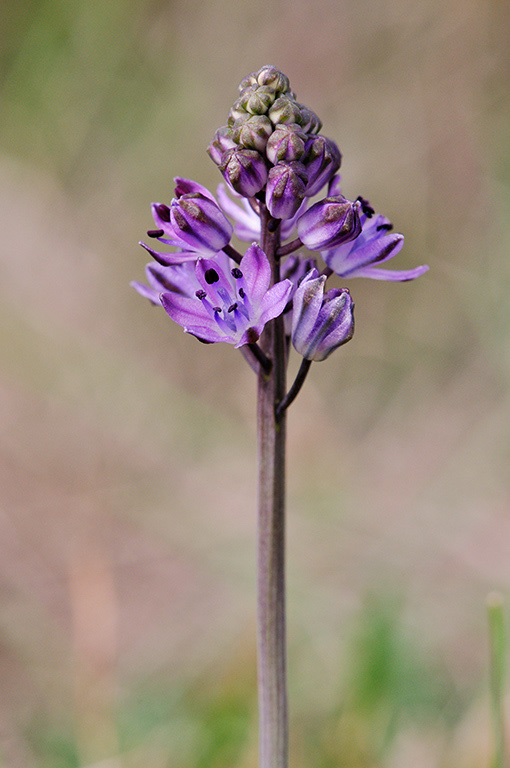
(127,564)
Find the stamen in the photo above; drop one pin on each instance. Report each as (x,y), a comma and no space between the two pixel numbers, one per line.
(387,226)
(155,233)
(232,307)
(211,276)
(236,272)
(201,294)
(241,293)
(163,211)
(217,309)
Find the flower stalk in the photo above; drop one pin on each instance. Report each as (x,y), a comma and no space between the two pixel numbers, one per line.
(271,642)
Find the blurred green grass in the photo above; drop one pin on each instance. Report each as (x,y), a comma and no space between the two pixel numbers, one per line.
(127,476)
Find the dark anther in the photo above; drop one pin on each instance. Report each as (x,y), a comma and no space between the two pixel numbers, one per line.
(387,226)
(163,211)
(241,293)
(365,207)
(217,309)
(236,272)
(211,276)
(155,233)
(201,294)
(232,307)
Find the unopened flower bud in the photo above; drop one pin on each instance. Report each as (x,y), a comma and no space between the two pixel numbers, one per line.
(285,189)
(309,121)
(236,112)
(199,222)
(284,110)
(322,160)
(329,222)
(320,322)
(248,81)
(244,170)
(257,99)
(220,144)
(269,75)
(286,143)
(252,133)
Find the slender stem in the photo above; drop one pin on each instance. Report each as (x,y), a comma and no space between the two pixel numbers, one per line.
(272,687)
(497,676)
(294,390)
(289,247)
(263,359)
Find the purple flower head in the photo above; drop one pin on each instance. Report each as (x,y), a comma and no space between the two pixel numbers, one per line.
(285,190)
(244,171)
(322,160)
(231,305)
(329,222)
(375,245)
(320,322)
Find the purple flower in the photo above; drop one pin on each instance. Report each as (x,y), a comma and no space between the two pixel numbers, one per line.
(221,143)
(320,322)
(193,222)
(231,305)
(244,170)
(329,222)
(322,160)
(375,245)
(285,189)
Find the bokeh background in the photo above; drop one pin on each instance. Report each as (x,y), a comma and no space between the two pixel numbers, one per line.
(127,520)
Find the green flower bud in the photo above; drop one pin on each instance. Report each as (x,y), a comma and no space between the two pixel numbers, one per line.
(257,99)
(237,112)
(286,143)
(269,75)
(252,133)
(309,121)
(248,81)
(284,110)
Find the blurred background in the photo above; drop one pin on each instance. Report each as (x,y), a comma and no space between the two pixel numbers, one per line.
(127,469)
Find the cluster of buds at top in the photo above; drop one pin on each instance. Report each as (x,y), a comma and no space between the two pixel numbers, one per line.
(271,145)
(273,158)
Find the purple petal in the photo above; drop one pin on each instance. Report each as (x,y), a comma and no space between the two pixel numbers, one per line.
(169,259)
(275,301)
(348,258)
(146,292)
(187,186)
(256,272)
(395,275)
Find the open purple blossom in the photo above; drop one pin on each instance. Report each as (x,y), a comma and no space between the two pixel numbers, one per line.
(375,245)
(230,305)
(321,322)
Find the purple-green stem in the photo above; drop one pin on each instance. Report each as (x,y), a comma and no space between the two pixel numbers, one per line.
(272,683)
